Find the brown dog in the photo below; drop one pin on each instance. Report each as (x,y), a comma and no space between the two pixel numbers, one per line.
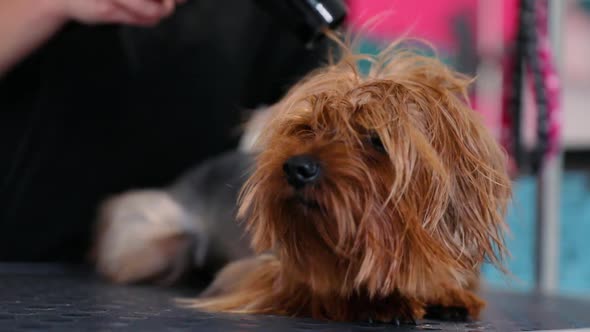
(379,197)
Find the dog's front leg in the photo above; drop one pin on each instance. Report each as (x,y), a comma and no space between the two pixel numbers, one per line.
(244,286)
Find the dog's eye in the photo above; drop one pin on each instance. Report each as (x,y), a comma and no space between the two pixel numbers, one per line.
(304,128)
(300,130)
(377,143)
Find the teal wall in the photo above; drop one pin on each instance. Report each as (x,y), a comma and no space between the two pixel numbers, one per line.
(574,256)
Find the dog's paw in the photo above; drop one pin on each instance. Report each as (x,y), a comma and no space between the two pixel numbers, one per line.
(456,305)
(141,236)
(447,313)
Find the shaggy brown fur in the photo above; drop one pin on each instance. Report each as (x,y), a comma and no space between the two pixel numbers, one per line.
(410,202)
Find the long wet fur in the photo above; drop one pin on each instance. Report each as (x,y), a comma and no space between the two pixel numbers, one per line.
(410,203)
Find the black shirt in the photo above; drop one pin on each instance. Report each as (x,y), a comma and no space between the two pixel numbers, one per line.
(99,110)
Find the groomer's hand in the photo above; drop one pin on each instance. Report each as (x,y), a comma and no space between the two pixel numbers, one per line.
(133,12)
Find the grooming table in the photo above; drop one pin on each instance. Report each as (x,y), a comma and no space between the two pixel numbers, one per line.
(60,298)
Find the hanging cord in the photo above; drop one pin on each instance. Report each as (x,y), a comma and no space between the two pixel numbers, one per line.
(512,97)
(531,50)
(549,80)
(529,28)
(512,77)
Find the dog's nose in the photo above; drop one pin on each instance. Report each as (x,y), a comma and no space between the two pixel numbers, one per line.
(301,170)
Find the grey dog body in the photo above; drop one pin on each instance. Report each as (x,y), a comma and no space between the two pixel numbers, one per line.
(208,194)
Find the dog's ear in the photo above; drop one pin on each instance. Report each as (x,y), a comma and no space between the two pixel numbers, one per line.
(481,186)
(478,182)
(459,175)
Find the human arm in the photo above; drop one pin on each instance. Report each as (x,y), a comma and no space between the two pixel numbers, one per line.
(27,24)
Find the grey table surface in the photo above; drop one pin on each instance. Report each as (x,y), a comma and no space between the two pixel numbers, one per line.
(37,297)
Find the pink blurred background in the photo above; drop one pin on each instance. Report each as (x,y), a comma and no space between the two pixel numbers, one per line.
(490,23)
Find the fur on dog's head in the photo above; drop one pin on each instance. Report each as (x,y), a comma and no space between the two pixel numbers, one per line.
(403,187)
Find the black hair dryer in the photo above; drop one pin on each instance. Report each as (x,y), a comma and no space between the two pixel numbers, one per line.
(307,18)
